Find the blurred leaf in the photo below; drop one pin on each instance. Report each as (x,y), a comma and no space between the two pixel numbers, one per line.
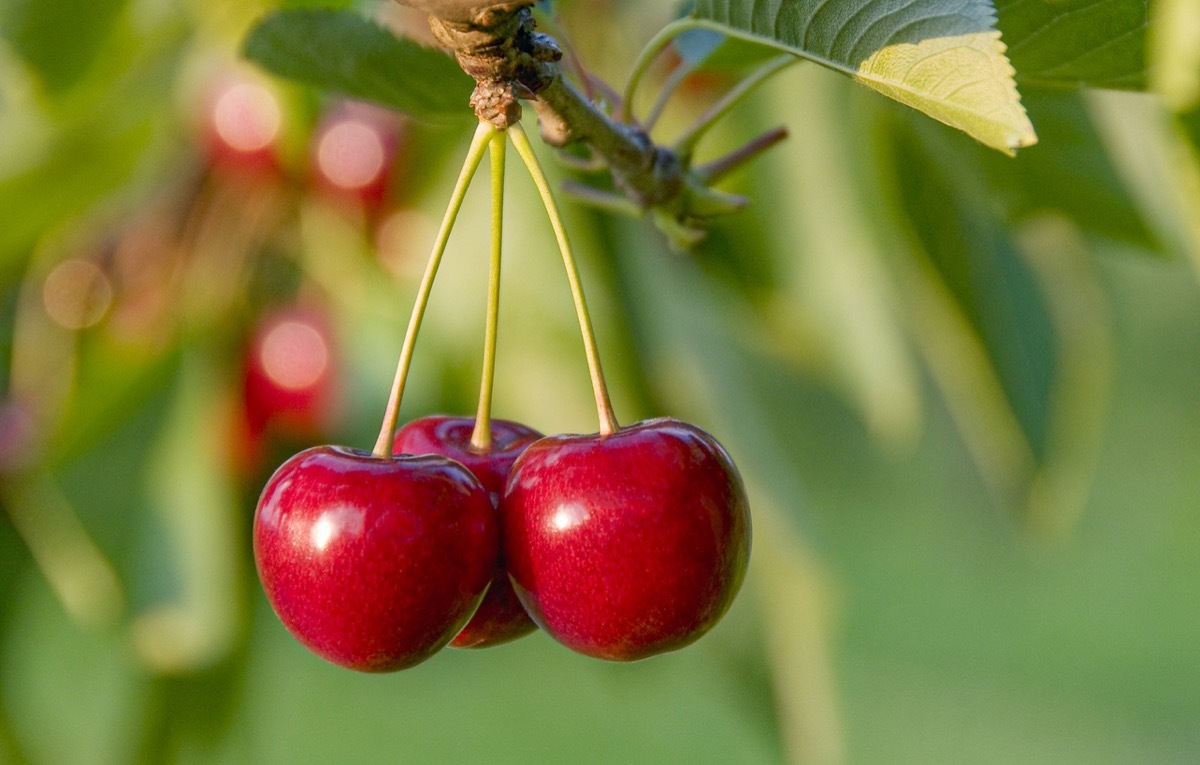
(60,678)
(113,380)
(977,262)
(1174,41)
(1071,172)
(100,137)
(797,606)
(10,746)
(1000,328)
(343,52)
(1187,155)
(191,489)
(60,39)
(76,569)
(1191,125)
(1077,43)
(14,561)
(82,166)
(943,58)
(834,311)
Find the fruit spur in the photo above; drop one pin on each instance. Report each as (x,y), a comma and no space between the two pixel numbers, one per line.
(472,532)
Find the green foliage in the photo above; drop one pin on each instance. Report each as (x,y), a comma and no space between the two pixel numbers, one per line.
(942,58)
(1077,43)
(1073,174)
(960,386)
(347,54)
(60,40)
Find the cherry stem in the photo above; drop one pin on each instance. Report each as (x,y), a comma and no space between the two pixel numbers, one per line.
(481,436)
(604,410)
(387,433)
(687,142)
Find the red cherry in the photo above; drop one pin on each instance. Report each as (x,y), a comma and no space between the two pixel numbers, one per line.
(354,152)
(500,617)
(289,376)
(627,545)
(243,123)
(374,564)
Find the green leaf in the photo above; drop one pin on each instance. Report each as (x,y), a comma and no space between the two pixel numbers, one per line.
(1190,122)
(943,58)
(343,52)
(1012,326)
(190,487)
(60,39)
(1077,43)
(1071,172)
(972,257)
(1174,52)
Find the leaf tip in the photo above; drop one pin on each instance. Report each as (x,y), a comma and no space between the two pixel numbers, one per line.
(1025,137)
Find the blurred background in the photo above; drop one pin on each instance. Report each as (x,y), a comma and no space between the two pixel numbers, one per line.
(962,389)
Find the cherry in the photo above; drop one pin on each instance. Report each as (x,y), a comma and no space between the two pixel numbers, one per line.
(626,545)
(355,151)
(289,374)
(374,563)
(243,122)
(500,618)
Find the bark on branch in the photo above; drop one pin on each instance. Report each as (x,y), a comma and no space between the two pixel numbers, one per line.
(510,61)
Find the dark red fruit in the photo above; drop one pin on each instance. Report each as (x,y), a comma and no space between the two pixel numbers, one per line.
(289,378)
(627,545)
(500,617)
(374,564)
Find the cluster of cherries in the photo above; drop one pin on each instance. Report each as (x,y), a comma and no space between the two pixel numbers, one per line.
(620,546)
(472,532)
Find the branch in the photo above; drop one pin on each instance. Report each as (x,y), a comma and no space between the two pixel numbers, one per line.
(510,61)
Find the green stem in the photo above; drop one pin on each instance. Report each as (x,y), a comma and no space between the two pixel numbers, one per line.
(481,436)
(656,46)
(607,201)
(604,411)
(687,142)
(674,80)
(483,136)
(710,173)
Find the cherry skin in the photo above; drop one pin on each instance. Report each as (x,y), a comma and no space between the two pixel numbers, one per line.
(374,564)
(627,545)
(500,618)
